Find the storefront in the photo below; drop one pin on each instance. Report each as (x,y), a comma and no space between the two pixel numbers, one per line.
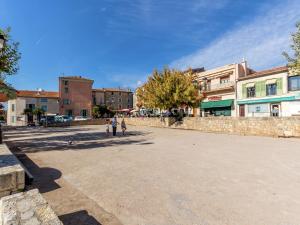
(217,108)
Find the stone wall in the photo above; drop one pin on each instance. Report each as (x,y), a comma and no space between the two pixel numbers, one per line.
(27,208)
(12,174)
(275,127)
(151,122)
(89,122)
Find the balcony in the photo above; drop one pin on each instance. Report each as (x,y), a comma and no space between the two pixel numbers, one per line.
(217,87)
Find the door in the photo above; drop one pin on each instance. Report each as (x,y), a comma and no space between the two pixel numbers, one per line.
(275,110)
(242,110)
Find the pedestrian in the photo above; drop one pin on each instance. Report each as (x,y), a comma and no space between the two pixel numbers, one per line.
(107,127)
(114,123)
(123,126)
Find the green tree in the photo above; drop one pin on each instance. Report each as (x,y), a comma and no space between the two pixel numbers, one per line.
(169,89)
(294,61)
(9,63)
(99,111)
(38,112)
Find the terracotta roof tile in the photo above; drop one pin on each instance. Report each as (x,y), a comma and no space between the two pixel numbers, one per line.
(112,90)
(266,72)
(37,94)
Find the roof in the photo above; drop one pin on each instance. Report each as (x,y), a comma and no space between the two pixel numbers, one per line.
(112,90)
(76,78)
(267,72)
(3,97)
(37,94)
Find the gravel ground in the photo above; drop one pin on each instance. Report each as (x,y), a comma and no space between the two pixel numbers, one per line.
(156,176)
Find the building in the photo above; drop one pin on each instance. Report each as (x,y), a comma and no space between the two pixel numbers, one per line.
(75,94)
(267,93)
(113,98)
(218,87)
(46,100)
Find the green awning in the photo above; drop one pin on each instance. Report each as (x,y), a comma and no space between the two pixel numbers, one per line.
(216,104)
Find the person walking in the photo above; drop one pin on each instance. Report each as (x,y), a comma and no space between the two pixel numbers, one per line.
(114,123)
(123,126)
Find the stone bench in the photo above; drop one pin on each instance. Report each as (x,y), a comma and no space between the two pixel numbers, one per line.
(27,208)
(12,174)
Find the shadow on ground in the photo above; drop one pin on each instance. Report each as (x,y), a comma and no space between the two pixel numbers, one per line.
(75,141)
(81,217)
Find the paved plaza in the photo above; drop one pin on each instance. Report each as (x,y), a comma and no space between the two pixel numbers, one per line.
(155,176)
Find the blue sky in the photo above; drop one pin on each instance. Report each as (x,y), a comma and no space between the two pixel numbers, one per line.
(119,42)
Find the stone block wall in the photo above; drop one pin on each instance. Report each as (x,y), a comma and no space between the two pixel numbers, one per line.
(89,122)
(151,122)
(269,126)
(27,208)
(12,174)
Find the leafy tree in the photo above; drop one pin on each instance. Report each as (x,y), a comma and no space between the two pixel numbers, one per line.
(38,112)
(99,111)
(9,59)
(169,89)
(294,61)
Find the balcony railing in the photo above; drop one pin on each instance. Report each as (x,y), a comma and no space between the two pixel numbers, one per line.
(215,87)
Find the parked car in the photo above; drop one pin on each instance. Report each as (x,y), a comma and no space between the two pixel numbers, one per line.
(47,120)
(63,118)
(81,118)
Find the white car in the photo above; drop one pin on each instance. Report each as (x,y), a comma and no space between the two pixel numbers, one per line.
(81,118)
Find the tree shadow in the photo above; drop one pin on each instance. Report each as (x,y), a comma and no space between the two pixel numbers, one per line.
(81,217)
(77,141)
(29,131)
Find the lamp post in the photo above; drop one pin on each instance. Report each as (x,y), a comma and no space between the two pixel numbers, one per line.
(2,42)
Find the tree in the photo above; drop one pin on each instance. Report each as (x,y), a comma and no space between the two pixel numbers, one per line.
(168,89)
(38,112)
(294,61)
(99,111)
(9,59)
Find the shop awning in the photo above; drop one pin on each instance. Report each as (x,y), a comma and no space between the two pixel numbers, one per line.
(216,104)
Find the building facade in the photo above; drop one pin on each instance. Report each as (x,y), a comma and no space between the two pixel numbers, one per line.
(218,87)
(113,98)
(268,93)
(46,100)
(75,94)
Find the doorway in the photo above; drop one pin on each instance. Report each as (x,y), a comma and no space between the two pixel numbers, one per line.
(242,110)
(275,110)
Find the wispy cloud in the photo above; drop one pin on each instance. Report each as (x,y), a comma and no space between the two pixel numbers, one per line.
(131,80)
(261,41)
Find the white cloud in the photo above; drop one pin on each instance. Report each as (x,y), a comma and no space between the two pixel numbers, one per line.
(261,41)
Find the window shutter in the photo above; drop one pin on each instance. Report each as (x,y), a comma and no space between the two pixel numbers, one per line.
(263,89)
(257,89)
(279,86)
(244,91)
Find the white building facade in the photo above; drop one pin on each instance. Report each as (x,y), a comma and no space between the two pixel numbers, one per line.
(48,101)
(267,93)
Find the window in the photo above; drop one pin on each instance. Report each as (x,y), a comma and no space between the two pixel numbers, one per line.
(250,92)
(120,100)
(294,83)
(12,107)
(30,106)
(271,89)
(83,112)
(66,82)
(120,93)
(224,80)
(44,107)
(66,102)
(12,119)
(69,112)
(66,90)
(44,99)
(112,93)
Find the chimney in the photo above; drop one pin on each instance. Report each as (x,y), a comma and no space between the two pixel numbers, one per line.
(245,66)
